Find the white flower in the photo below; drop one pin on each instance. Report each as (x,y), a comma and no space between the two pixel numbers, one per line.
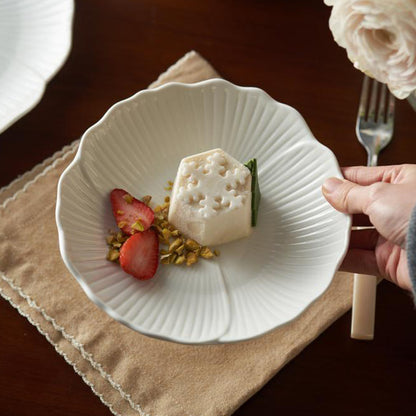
(380,39)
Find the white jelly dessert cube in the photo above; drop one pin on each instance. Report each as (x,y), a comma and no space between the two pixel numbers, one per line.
(211,198)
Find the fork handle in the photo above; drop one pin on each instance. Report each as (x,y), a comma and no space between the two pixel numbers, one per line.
(364,294)
(363,307)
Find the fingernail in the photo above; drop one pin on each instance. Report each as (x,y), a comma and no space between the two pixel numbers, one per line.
(331,185)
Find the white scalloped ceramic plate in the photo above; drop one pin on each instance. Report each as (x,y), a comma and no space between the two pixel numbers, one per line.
(258,283)
(35,39)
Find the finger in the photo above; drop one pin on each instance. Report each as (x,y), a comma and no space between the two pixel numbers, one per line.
(364,239)
(361,220)
(363,175)
(361,262)
(346,196)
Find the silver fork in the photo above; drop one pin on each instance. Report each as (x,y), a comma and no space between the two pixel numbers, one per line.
(375,126)
(374,129)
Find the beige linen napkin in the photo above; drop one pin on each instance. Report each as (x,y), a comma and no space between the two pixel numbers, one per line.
(131,373)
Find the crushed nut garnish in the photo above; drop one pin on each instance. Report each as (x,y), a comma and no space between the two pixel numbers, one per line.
(122,224)
(180,249)
(113,255)
(121,237)
(166,234)
(172,258)
(180,260)
(110,239)
(115,241)
(165,260)
(191,258)
(206,253)
(192,244)
(173,246)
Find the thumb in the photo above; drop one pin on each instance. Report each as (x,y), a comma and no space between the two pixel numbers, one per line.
(346,196)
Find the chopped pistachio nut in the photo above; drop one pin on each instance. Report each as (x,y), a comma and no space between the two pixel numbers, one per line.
(180,249)
(164,260)
(138,226)
(128,198)
(115,241)
(178,242)
(192,244)
(120,212)
(110,239)
(217,253)
(167,198)
(206,253)
(113,255)
(180,260)
(122,224)
(166,233)
(191,258)
(121,237)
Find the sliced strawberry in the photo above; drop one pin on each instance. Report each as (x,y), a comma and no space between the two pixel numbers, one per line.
(131,214)
(139,255)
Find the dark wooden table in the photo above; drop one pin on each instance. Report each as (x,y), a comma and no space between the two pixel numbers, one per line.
(285,48)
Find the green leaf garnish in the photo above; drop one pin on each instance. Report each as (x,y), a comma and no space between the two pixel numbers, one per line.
(255,190)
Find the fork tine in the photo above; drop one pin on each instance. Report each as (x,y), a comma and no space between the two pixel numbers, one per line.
(373,101)
(390,109)
(363,97)
(382,104)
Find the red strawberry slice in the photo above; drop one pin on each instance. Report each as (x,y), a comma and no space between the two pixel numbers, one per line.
(131,214)
(139,255)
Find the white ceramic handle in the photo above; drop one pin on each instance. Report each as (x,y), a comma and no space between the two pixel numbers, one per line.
(363,307)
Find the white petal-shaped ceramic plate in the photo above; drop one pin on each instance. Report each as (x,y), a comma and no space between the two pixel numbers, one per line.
(257,283)
(35,39)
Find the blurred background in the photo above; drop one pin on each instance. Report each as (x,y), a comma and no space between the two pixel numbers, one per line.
(120,47)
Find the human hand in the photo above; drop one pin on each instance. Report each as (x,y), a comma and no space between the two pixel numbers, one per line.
(384,197)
